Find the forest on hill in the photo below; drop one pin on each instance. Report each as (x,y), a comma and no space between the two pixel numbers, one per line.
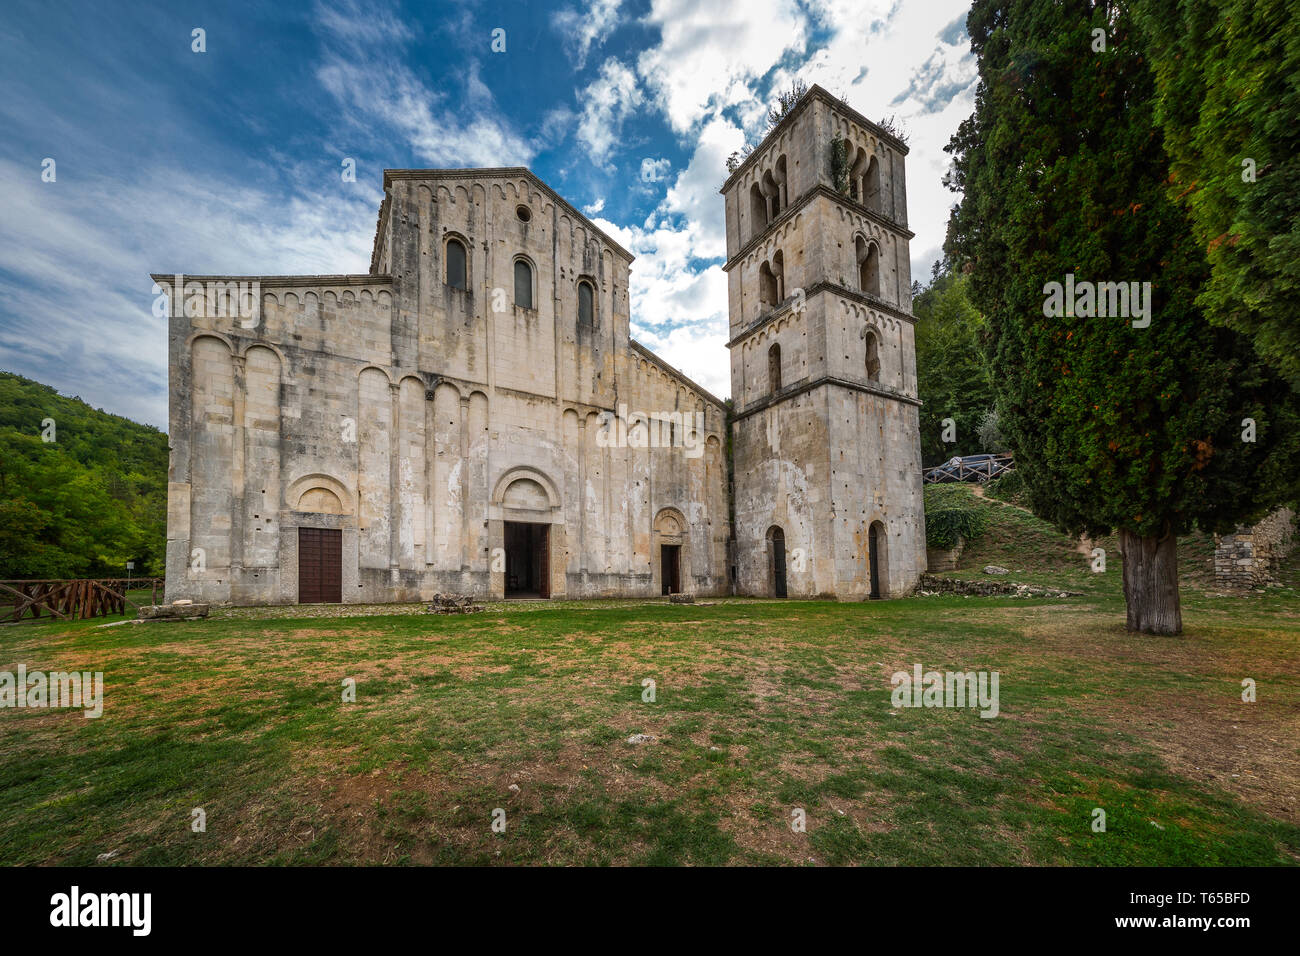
(82,491)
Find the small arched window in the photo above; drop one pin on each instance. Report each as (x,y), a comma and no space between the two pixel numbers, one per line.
(766,284)
(523,284)
(873,356)
(586,304)
(774,369)
(457,271)
(868,267)
(757,210)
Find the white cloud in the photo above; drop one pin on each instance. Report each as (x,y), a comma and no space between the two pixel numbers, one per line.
(580,30)
(592,209)
(608,102)
(78,254)
(709,55)
(366,75)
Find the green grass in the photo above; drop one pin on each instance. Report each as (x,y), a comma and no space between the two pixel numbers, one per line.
(761,708)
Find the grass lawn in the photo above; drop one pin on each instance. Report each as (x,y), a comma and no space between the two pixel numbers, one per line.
(761,707)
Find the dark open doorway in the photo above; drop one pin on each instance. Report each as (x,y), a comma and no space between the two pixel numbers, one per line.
(875,554)
(320,566)
(527,560)
(671,561)
(776,542)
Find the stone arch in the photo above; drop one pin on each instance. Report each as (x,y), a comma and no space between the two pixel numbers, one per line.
(374,368)
(189,342)
(307,486)
(670,525)
(529,474)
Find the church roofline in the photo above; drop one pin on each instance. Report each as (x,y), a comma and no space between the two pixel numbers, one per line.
(676,373)
(815,92)
(494,172)
(168,278)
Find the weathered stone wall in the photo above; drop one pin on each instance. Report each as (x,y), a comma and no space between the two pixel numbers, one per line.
(1248,558)
(418,418)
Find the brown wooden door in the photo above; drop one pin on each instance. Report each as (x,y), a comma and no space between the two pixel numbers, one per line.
(320,566)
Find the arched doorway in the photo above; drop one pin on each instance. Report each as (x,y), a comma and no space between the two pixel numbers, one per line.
(523,514)
(776,563)
(878,557)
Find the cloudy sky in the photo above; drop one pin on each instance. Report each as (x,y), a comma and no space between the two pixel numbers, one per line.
(228,161)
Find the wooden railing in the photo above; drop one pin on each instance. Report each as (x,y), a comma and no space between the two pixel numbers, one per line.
(979,468)
(70,600)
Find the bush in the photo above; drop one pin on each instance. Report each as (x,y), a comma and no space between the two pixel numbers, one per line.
(1010,487)
(951,512)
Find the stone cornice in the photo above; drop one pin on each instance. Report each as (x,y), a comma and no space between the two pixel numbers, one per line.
(167,279)
(871,302)
(795,391)
(819,190)
(675,373)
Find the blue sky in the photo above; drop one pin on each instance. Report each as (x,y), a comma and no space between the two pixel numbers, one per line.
(228,161)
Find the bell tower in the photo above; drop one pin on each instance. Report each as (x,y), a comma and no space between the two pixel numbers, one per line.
(825,430)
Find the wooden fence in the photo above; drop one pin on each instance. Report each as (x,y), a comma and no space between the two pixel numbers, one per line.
(70,600)
(979,468)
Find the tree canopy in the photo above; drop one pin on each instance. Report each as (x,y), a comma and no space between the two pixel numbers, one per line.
(85,503)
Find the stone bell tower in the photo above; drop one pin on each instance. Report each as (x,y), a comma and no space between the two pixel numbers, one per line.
(827,446)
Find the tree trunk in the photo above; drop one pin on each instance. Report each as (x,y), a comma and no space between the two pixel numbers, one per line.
(1151,583)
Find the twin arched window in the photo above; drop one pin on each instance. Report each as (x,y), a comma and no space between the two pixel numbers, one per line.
(457,263)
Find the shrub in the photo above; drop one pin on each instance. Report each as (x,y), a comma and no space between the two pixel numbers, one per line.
(951,512)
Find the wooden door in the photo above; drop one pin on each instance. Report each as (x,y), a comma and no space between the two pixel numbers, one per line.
(320,566)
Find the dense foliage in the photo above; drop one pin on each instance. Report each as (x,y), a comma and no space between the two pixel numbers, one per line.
(85,503)
(952,512)
(1062,170)
(1228,77)
(951,369)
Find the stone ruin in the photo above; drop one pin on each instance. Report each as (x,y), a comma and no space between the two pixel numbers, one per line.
(1248,559)
(453,604)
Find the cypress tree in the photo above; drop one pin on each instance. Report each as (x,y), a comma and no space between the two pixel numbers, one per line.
(1116,424)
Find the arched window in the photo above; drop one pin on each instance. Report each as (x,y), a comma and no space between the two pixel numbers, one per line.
(873,356)
(766,284)
(457,271)
(757,209)
(868,255)
(871,195)
(586,304)
(774,369)
(523,284)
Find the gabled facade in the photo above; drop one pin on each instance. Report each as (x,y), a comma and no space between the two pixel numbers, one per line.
(471,416)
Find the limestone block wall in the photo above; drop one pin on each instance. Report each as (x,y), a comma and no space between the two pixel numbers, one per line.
(1248,558)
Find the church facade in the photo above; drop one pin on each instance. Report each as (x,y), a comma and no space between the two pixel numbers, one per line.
(472,415)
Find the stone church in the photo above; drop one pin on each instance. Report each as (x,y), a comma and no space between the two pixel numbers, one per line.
(472,415)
